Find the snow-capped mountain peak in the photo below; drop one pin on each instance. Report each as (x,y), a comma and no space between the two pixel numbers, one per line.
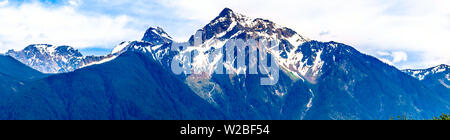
(304,61)
(434,77)
(48,58)
(440,68)
(296,55)
(422,74)
(51,50)
(42,48)
(229,25)
(156,42)
(156,36)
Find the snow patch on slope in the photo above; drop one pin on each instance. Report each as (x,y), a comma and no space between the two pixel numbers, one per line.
(421,74)
(99,62)
(120,47)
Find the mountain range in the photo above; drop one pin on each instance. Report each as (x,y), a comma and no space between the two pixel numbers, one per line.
(317,80)
(54,59)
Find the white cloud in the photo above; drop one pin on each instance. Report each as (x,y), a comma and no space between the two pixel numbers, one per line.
(75,2)
(3,3)
(382,53)
(399,57)
(63,25)
(392,58)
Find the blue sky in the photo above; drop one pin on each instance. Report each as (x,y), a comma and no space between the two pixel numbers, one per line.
(404,33)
